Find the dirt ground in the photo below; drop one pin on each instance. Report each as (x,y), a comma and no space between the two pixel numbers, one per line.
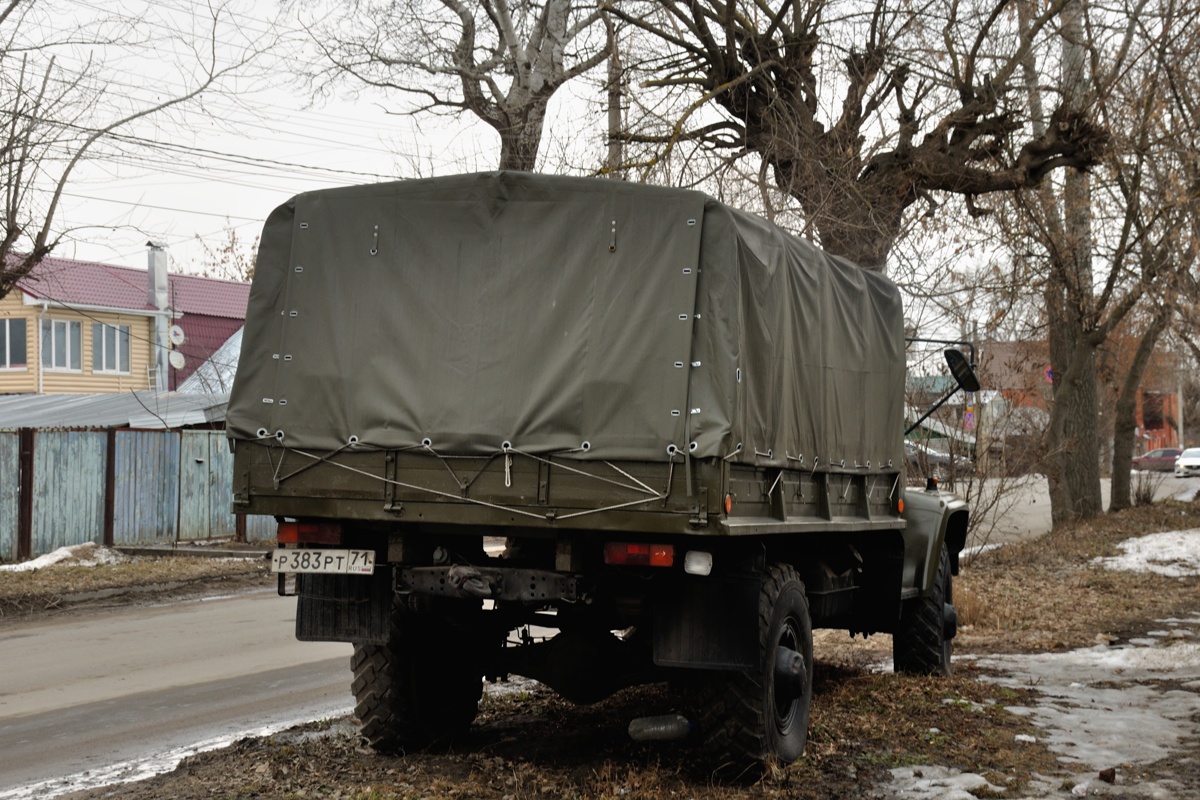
(872,734)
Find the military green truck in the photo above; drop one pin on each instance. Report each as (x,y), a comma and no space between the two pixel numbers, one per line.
(490,408)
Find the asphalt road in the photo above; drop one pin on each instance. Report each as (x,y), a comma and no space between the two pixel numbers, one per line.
(115,695)
(1024,510)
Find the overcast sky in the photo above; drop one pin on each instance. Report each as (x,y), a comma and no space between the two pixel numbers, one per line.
(243,157)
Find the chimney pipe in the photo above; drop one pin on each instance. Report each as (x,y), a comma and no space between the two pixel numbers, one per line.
(159,297)
(156,275)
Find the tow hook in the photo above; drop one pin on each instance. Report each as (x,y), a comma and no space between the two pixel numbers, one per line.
(468,580)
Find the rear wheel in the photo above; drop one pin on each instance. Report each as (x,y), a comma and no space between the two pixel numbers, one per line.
(422,688)
(923,642)
(762,715)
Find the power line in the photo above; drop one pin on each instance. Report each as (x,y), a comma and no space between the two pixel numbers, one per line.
(160,208)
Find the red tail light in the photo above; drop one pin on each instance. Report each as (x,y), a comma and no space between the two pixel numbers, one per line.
(309,533)
(639,555)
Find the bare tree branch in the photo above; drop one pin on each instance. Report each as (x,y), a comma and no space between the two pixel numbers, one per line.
(498,60)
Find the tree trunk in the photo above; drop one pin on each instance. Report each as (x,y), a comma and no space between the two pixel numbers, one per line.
(520,139)
(1070,442)
(861,225)
(1125,424)
(616,76)
(1074,445)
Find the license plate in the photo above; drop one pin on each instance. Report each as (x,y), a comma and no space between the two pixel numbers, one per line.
(354,562)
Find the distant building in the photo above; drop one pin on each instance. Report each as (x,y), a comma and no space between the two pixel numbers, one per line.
(1020,373)
(79,327)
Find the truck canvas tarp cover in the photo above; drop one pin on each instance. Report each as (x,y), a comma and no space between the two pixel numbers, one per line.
(595,319)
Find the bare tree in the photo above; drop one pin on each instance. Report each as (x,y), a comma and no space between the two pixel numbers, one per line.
(58,107)
(500,60)
(231,260)
(1120,225)
(860,110)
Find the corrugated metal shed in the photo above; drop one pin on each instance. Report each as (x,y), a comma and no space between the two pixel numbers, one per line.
(216,374)
(145,409)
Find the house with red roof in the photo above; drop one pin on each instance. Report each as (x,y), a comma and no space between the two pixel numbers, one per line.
(80,327)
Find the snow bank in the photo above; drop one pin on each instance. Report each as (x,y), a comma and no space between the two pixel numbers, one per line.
(80,555)
(1175,554)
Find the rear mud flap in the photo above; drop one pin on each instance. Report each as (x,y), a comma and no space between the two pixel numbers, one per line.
(344,608)
(708,623)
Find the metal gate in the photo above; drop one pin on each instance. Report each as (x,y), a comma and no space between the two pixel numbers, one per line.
(145,486)
(68,488)
(205,486)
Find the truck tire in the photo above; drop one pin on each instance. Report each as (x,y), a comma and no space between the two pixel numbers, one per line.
(761,716)
(421,689)
(923,641)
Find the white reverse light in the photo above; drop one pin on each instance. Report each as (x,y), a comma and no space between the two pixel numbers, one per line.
(697,562)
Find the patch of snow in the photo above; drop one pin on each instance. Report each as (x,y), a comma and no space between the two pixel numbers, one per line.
(1104,705)
(938,783)
(80,555)
(148,766)
(1100,707)
(969,553)
(1175,554)
(515,684)
(1188,492)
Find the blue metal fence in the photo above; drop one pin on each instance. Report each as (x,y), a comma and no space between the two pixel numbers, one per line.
(10,483)
(126,486)
(205,486)
(68,488)
(145,486)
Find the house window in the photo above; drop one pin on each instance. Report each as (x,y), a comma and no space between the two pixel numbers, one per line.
(61,344)
(12,344)
(110,348)
(1152,411)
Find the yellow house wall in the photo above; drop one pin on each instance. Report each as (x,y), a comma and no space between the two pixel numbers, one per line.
(85,380)
(20,381)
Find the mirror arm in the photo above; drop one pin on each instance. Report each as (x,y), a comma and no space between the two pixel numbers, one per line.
(929,413)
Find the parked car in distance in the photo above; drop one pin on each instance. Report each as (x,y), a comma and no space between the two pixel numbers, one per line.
(925,461)
(1188,463)
(1160,460)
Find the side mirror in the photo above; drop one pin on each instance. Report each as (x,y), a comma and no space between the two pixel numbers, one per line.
(960,368)
(964,376)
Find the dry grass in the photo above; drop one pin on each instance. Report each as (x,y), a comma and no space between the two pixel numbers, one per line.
(534,745)
(1047,594)
(25,594)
